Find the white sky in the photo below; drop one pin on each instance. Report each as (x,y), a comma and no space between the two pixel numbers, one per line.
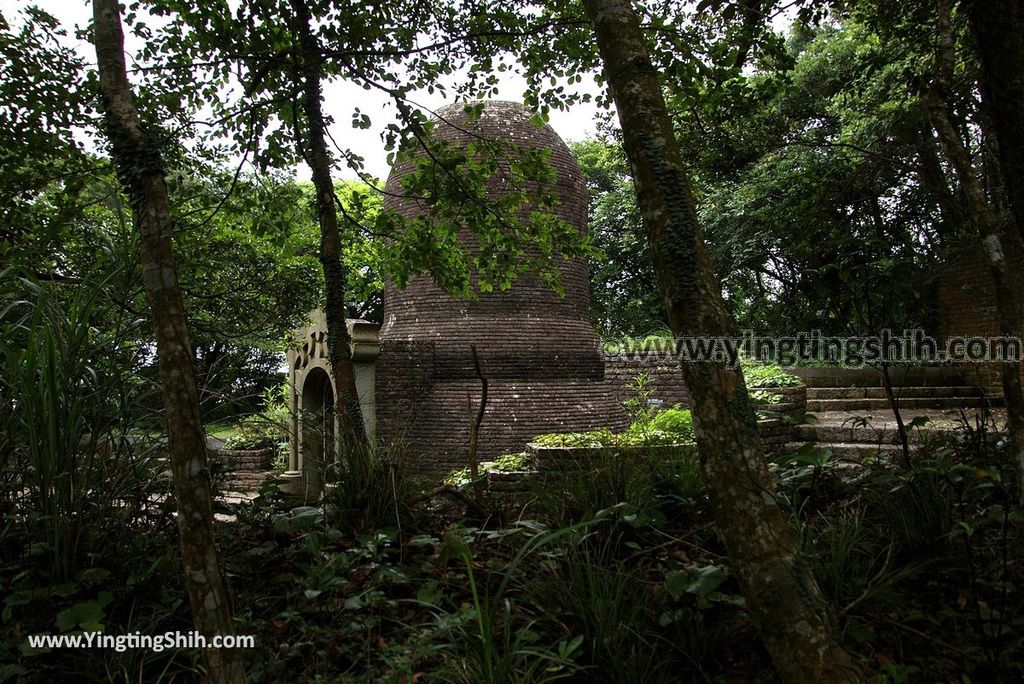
(340,97)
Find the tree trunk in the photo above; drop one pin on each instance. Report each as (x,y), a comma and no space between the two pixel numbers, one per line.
(140,168)
(936,106)
(475,420)
(933,178)
(1006,300)
(339,343)
(784,601)
(998,27)
(894,406)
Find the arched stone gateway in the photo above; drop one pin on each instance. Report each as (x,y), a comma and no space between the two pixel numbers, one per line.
(538,350)
(313,420)
(316,427)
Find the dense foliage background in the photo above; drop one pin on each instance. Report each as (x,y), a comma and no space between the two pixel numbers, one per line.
(827,203)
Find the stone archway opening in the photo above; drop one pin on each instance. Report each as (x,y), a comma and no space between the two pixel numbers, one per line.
(318,428)
(313,430)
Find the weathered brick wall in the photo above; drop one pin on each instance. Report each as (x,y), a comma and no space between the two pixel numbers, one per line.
(967,304)
(775,435)
(665,379)
(421,406)
(404,374)
(538,350)
(792,403)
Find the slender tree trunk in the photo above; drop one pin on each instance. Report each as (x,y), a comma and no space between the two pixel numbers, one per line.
(894,406)
(339,343)
(933,178)
(140,168)
(753,19)
(784,601)
(998,27)
(475,420)
(935,103)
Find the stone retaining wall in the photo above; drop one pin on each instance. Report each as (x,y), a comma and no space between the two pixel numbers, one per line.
(775,434)
(244,469)
(792,405)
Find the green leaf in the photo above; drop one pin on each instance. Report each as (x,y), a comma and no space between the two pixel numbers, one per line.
(701,581)
(299,519)
(89,616)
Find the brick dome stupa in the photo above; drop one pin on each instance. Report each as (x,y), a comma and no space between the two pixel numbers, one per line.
(541,356)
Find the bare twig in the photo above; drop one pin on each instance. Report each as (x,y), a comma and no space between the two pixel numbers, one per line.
(474,427)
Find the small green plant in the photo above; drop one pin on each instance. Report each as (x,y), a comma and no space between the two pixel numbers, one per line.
(640,438)
(766,374)
(371,489)
(607,604)
(511,462)
(267,429)
(762,397)
(637,405)
(679,479)
(670,426)
(506,462)
(599,482)
(676,421)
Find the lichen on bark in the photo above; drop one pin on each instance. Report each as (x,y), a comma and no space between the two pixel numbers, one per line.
(791,616)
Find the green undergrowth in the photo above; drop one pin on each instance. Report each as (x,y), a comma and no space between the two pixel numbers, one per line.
(506,462)
(758,374)
(667,427)
(267,429)
(614,572)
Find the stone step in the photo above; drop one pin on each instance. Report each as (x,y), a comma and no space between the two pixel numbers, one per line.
(242,465)
(862,434)
(246,481)
(243,459)
(905,392)
(917,376)
(853,451)
(904,403)
(838,434)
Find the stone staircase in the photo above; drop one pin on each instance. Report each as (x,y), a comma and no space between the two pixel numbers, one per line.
(850,415)
(912,398)
(244,470)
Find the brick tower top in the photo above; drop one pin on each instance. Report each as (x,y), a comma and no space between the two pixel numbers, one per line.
(528,330)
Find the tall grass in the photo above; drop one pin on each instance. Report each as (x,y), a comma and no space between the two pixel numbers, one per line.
(612,608)
(69,467)
(646,483)
(370,489)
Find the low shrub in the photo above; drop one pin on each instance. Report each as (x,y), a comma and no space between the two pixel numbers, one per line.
(506,462)
(595,438)
(676,421)
(371,490)
(766,374)
(265,430)
(671,426)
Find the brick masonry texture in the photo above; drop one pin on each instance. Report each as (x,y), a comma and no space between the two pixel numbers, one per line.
(967,304)
(792,404)
(538,350)
(664,377)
